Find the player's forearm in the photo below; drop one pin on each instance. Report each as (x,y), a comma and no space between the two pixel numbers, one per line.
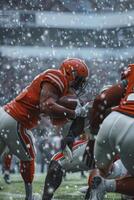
(114,94)
(109,98)
(56,110)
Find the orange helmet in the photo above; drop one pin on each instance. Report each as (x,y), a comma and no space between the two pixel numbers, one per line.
(76,71)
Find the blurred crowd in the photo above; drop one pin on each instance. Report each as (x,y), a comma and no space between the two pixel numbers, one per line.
(60,37)
(85,6)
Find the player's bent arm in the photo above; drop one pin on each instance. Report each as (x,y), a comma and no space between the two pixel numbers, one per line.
(114,94)
(48,102)
(103,103)
(109,98)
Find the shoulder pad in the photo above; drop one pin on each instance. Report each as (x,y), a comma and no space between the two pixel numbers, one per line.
(56,78)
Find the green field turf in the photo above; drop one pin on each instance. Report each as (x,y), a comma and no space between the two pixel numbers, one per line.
(67,191)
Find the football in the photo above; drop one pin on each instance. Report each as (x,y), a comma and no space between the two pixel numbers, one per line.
(68,101)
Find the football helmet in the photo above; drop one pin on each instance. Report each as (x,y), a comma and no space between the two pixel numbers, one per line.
(105,87)
(76,72)
(125,72)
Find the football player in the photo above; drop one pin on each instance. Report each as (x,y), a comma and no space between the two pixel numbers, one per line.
(115,138)
(82,150)
(40,97)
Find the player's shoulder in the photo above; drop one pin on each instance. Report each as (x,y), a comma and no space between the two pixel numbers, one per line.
(56,72)
(56,77)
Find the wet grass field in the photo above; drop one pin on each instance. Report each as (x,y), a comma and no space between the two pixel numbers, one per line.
(69,189)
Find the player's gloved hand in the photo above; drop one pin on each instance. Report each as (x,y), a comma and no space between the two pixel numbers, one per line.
(82,111)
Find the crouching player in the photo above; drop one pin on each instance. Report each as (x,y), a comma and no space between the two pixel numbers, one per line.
(40,97)
(115,138)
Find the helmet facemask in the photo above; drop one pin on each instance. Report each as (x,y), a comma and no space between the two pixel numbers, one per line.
(76,73)
(79,84)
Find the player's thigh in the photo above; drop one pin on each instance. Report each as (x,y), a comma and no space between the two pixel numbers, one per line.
(103,150)
(103,154)
(121,139)
(23,146)
(127,150)
(11,136)
(16,137)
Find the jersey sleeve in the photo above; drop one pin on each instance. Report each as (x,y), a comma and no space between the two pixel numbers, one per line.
(57,79)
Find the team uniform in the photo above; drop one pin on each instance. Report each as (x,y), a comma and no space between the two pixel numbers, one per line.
(23,113)
(116,132)
(115,138)
(55,169)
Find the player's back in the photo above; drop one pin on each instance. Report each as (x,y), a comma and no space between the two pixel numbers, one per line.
(25,108)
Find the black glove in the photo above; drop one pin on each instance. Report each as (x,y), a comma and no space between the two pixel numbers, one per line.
(68,140)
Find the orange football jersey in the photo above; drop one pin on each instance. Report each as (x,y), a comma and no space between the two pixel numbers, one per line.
(127,103)
(25,107)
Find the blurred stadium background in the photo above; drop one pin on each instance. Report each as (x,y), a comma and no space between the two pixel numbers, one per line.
(39,34)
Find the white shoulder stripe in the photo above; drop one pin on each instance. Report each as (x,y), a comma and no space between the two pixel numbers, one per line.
(130,97)
(57,78)
(54,80)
